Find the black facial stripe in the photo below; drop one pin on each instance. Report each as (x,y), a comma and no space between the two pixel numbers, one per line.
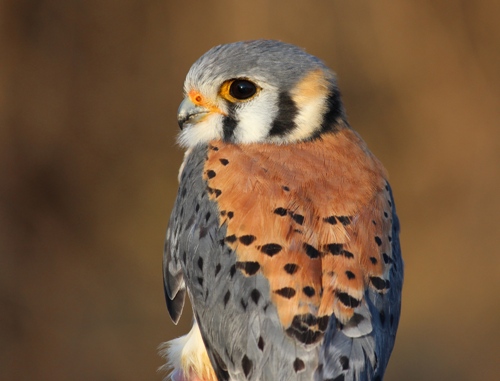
(229,123)
(334,111)
(284,122)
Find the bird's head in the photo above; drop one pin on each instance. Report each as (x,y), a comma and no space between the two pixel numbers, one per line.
(261,91)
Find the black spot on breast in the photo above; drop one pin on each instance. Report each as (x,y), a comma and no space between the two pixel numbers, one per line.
(344,362)
(261,343)
(337,249)
(347,254)
(224,161)
(230,215)
(222,213)
(350,274)
(286,292)
(211,174)
(226,298)
(271,249)
(378,240)
(200,263)
(334,248)
(255,295)
(244,304)
(308,319)
(200,281)
(379,283)
(298,365)
(323,322)
(285,188)
(309,291)
(247,239)
(386,215)
(300,330)
(311,251)
(387,259)
(197,208)
(213,148)
(203,232)
(280,211)
(217,269)
(331,220)
(247,365)
(291,268)
(298,218)
(232,271)
(389,238)
(249,268)
(217,192)
(183,192)
(207,216)
(348,300)
(373,260)
(344,220)
(231,238)
(184,257)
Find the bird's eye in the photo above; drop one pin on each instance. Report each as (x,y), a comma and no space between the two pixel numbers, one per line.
(242,89)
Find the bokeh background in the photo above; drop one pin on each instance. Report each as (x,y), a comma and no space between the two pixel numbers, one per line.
(88,162)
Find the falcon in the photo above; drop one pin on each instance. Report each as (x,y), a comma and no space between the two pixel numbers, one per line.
(284,233)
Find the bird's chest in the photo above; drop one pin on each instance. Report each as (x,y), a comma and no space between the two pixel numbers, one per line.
(273,211)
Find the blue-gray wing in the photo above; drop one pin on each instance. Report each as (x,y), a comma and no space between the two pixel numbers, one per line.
(183,220)
(173,281)
(365,358)
(231,300)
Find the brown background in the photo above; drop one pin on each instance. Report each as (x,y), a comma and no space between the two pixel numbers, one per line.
(88,98)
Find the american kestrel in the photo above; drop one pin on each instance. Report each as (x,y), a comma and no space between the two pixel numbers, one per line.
(284,233)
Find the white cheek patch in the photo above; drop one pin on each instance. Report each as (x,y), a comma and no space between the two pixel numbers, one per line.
(254,118)
(202,132)
(309,118)
(311,97)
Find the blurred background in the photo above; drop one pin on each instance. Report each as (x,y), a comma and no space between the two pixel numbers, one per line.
(88,163)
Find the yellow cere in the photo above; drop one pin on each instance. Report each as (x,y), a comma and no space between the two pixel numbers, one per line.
(200,100)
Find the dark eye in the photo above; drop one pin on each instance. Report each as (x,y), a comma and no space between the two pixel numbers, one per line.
(242,89)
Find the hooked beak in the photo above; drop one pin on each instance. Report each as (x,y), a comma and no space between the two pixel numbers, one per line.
(189,112)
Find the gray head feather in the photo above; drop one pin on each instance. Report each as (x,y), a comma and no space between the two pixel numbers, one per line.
(284,63)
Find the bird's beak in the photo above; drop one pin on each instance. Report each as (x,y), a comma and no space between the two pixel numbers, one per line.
(189,112)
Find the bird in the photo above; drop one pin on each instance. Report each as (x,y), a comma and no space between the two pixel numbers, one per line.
(284,232)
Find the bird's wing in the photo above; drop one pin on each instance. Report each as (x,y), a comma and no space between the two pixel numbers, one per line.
(282,260)
(346,353)
(173,279)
